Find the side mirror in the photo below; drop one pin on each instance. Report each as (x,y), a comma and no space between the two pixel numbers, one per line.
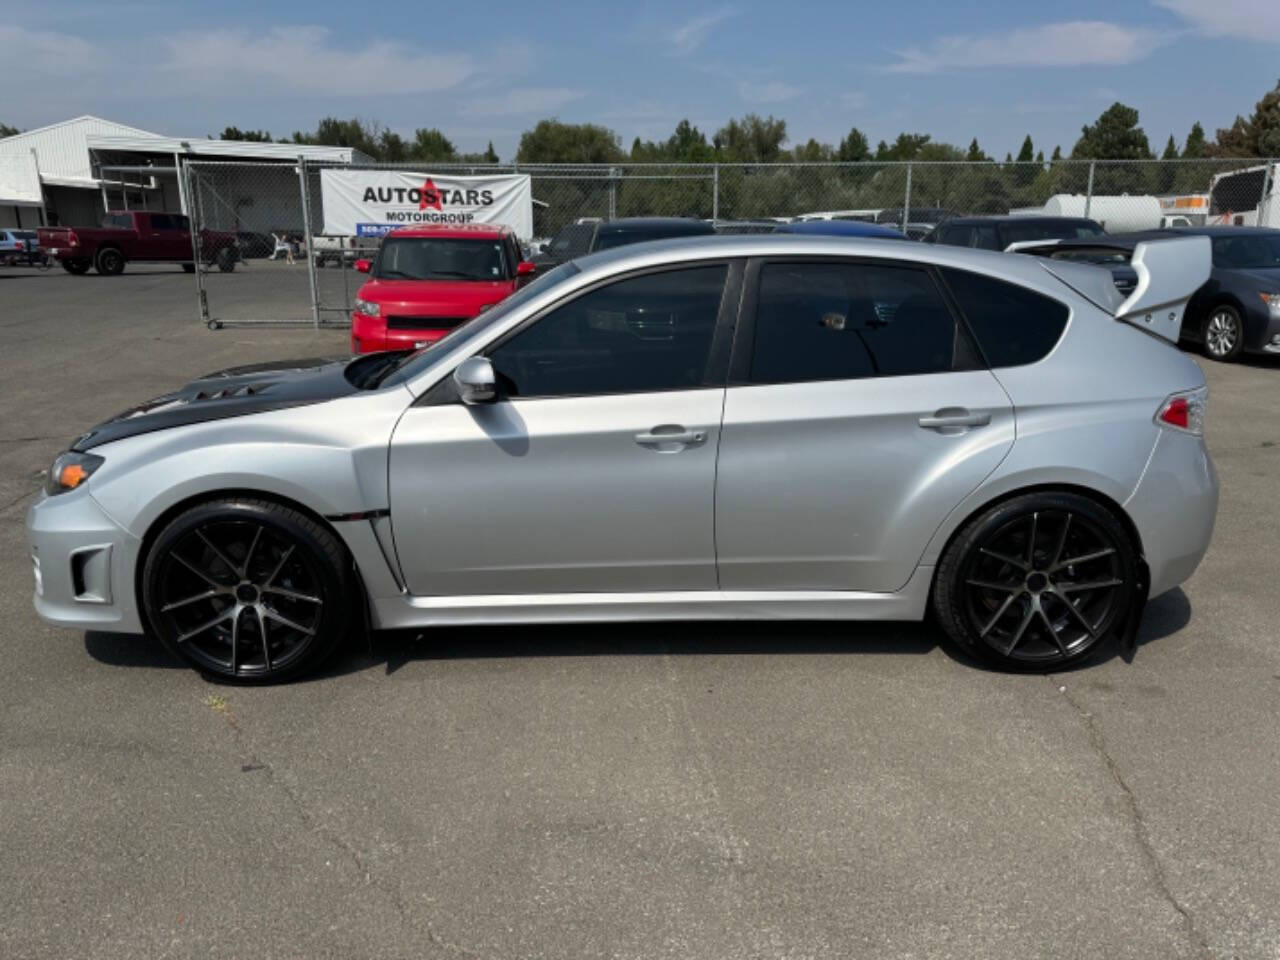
(475,381)
(525,268)
(364,266)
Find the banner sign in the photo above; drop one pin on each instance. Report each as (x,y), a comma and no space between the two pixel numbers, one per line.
(369,203)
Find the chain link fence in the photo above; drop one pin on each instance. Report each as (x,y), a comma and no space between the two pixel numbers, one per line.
(275,211)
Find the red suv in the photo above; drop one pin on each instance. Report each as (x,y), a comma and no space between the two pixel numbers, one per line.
(428,280)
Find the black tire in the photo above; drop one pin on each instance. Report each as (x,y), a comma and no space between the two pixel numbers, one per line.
(1037,582)
(226,574)
(109,262)
(189,267)
(1223,333)
(226,259)
(77,267)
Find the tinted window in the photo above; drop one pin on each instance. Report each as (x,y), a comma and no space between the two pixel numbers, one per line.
(651,332)
(833,321)
(607,239)
(1048,230)
(954,236)
(1247,252)
(572,241)
(987,238)
(1013,325)
(161,221)
(120,220)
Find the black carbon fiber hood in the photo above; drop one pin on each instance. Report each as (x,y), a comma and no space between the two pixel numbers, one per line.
(235,392)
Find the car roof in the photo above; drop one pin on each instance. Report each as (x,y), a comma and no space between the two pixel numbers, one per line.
(672,224)
(468,230)
(841,228)
(1001,218)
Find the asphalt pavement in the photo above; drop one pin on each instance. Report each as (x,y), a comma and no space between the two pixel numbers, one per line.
(630,791)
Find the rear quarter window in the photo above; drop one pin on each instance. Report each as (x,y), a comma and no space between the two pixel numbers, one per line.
(1014,326)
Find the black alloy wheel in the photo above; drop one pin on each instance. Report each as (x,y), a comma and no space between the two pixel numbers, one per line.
(110,262)
(248,590)
(1037,582)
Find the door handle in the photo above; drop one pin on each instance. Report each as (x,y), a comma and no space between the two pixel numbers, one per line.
(953,417)
(680,436)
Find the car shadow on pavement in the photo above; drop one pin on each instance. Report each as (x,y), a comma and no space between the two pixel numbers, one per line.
(392,650)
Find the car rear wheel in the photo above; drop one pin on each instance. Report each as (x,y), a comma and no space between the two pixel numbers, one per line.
(1037,582)
(1223,333)
(189,267)
(226,259)
(110,262)
(248,590)
(77,267)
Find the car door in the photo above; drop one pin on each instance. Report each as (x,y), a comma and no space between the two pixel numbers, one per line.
(594,471)
(857,417)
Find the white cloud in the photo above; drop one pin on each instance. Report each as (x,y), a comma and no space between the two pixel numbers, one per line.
(1246,19)
(769,91)
(45,52)
(688,37)
(524,100)
(303,59)
(1069,44)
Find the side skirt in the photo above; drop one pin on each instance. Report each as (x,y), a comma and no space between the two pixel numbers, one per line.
(409,611)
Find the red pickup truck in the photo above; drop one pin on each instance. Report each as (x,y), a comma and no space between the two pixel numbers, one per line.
(136,235)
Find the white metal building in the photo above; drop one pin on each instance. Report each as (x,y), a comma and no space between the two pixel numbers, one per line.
(69,173)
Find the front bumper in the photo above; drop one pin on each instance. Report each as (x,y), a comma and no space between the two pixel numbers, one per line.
(371,334)
(1174,508)
(83,563)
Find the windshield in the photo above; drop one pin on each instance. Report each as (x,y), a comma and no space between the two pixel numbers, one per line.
(1257,252)
(409,365)
(441,258)
(608,239)
(1048,230)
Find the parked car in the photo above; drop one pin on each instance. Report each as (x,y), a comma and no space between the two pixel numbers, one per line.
(20,246)
(1236,312)
(136,235)
(736,227)
(253,245)
(997,233)
(580,238)
(839,228)
(425,281)
(726,427)
(327,249)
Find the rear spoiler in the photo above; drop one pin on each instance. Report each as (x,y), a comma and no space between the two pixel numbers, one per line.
(1169,273)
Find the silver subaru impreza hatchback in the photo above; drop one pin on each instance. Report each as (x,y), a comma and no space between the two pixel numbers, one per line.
(752,427)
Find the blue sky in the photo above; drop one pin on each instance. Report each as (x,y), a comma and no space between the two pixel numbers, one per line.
(486,71)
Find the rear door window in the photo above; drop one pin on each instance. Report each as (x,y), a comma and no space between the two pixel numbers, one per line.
(847,321)
(1014,325)
(955,236)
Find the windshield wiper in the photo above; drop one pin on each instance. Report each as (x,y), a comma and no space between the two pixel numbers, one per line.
(389,274)
(462,275)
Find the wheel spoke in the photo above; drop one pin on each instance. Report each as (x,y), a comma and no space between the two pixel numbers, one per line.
(271,614)
(292,594)
(262,632)
(1022,628)
(1062,541)
(284,558)
(1085,558)
(220,618)
(208,594)
(1092,585)
(1052,632)
(1079,617)
(219,554)
(197,571)
(998,614)
(235,640)
(248,557)
(1031,540)
(1004,558)
(991,585)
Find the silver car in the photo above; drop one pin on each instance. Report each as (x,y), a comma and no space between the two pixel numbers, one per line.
(741,427)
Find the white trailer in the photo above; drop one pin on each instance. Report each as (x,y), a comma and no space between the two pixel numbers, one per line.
(1116,214)
(1245,198)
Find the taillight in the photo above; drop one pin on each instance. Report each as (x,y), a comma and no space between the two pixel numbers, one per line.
(72,239)
(1184,411)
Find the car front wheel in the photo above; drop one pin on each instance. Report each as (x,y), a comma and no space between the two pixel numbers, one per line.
(248,590)
(1223,333)
(1036,582)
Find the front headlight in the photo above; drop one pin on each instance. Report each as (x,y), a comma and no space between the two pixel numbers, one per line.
(1272,300)
(69,471)
(367,308)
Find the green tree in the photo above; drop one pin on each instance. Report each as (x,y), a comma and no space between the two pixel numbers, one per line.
(1115,136)
(355,133)
(1028,152)
(753,139)
(906,147)
(8,131)
(392,148)
(1057,154)
(1170,149)
(554,142)
(975,153)
(1196,146)
(491,155)
(1040,157)
(250,136)
(854,147)
(1259,135)
(1025,172)
(431,145)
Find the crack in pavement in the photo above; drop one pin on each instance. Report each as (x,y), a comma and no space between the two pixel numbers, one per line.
(251,762)
(1141,831)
